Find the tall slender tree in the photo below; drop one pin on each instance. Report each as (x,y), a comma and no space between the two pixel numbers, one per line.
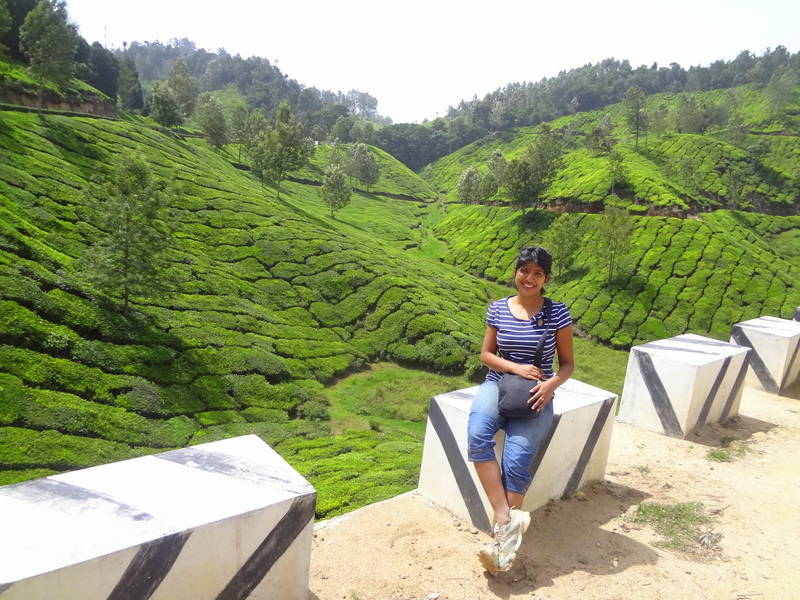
(48,40)
(129,260)
(613,241)
(281,148)
(163,107)
(335,191)
(183,88)
(130,89)
(633,100)
(211,119)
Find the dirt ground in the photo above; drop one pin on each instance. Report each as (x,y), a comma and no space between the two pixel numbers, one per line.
(589,548)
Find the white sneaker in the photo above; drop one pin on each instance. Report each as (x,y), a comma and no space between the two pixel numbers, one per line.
(508,538)
(488,556)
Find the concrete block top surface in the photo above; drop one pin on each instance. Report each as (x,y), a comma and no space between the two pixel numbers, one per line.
(67,518)
(786,328)
(571,395)
(690,349)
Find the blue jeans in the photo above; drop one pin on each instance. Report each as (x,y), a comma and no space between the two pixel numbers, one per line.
(523,437)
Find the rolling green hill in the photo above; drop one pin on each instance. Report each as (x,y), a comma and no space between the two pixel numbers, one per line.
(270,300)
(748,159)
(683,275)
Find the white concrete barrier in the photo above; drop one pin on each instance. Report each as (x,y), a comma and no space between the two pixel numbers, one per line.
(224,520)
(675,385)
(574,452)
(774,358)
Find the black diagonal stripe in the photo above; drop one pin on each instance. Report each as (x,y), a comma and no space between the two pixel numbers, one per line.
(458,466)
(661,401)
(149,567)
(785,380)
(588,448)
(737,385)
(759,368)
(533,468)
(797,314)
(5,586)
(271,549)
(712,394)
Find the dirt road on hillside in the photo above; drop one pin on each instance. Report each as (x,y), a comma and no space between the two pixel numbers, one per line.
(590,548)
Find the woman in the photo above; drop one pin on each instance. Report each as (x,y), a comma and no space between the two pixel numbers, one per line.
(514,326)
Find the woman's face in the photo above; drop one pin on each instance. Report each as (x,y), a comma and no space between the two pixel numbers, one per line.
(529,279)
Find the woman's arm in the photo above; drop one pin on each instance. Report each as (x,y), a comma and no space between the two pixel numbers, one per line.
(501,365)
(543,392)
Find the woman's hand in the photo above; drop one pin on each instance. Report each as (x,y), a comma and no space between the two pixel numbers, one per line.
(542,393)
(528,371)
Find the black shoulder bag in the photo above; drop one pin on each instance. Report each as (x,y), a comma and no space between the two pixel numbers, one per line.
(514,391)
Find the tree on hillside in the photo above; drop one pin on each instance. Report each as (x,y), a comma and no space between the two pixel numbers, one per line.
(5,24)
(779,92)
(519,182)
(363,165)
(281,148)
(238,127)
(545,158)
(613,238)
(468,189)
(132,214)
(335,192)
(103,71)
(183,88)
(211,119)
(488,187)
(130,90)
(497,165)
(615,160)
(633,101)
(163,107)
(562,242)
(600,138)
(49,41)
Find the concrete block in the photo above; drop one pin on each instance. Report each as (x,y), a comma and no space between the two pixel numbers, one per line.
(675,385)
(574,452)
(224,520)
(774,358)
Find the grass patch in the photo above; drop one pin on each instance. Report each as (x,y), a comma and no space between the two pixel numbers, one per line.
(677,523)
(642,468)
(730,450)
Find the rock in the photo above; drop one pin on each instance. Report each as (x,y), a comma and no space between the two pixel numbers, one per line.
(433,596)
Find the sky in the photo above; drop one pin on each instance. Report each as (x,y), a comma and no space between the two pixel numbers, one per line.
(419,57)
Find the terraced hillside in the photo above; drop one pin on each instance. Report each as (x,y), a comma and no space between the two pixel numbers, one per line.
(682,275)
(750,162)
(270,299)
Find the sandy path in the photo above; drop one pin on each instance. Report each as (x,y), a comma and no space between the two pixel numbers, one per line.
(406,548)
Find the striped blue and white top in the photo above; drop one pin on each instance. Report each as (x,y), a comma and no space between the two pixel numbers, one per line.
(517,338)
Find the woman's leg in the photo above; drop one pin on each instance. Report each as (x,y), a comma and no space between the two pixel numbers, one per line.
(484,422)
(523,438)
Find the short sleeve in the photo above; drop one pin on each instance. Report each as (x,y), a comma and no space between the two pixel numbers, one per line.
(562,317)
(491,315)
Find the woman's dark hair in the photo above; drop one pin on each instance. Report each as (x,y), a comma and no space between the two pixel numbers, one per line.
(535,254)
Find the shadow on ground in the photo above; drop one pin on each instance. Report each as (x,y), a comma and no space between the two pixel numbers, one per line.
(740,427)
(566,536)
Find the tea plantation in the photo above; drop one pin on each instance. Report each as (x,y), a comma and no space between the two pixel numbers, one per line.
(269,300)
(273,310)
(682,275)
(750,161)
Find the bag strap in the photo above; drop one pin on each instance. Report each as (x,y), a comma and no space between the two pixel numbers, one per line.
(537,357)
